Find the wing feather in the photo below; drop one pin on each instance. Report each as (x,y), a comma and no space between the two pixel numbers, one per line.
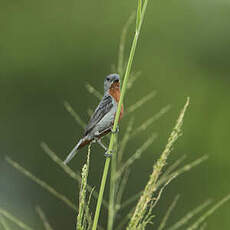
(103,108)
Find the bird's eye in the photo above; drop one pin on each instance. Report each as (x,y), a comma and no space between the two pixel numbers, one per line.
(107,78)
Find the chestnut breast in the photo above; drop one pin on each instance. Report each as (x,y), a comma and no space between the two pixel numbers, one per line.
(115,93)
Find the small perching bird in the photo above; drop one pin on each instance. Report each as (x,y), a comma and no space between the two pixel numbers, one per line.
(101,122)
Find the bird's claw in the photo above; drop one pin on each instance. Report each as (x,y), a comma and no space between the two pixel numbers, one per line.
(108,153)
(116,131)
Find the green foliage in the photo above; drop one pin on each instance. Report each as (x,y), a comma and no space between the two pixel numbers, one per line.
(143,213)
(141,209)
(82,222)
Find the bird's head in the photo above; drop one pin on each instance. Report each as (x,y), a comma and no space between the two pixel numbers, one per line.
(112,80)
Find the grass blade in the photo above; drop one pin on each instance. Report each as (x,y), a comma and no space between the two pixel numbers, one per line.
(82,196)
(131,200)
(148,217)
(133,78)
(174,165)
(3,223)
(209,213)
(68,170)
(120,65)
(76,117)
(93,91)
(182,170)
(121,188)
(140,210)
(41,183)
(123,91)
(125,140)
(184,220)
(15,220)
(43,218)
(140,102)
(136,155)
(168,213)
(59,162)
(151,120)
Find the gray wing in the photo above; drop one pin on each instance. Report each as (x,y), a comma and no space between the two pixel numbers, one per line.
(103,108)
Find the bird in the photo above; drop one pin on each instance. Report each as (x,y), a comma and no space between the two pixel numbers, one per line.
(101,121)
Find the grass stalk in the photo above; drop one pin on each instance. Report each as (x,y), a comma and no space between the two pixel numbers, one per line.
(141,207)
(209,212)
(172,167)
(14,219)
(59,162)
(76,117)
(134,77)
(149,216)
(112,191)
(182,170)
(146,124)
(123,90)
(121,188)
(120,65)
(81,217)
(68,170)
(125,139)
(43,218)
(93,91)
(166,176)
(184,220)
(168,213)
(3,223)
(131,109)
(136,155)
(41,183)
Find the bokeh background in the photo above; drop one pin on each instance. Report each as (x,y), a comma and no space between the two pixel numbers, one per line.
(50,49)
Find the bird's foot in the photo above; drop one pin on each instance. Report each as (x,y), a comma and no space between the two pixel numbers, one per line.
(108,153)
(116,131)
(101,144)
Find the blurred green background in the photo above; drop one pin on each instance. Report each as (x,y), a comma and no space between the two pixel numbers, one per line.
(50,49)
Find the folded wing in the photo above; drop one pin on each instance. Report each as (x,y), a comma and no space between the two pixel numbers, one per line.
(102,109)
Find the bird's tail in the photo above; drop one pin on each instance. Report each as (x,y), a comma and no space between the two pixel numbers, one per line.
(73,152)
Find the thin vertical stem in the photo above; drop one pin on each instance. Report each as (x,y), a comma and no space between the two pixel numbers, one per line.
(101,192)
(140,18)
(113,183)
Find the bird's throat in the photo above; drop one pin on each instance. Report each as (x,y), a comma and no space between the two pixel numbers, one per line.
(115,91)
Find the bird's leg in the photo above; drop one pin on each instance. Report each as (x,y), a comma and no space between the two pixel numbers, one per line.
(107,153)
(116,131)
(101,144)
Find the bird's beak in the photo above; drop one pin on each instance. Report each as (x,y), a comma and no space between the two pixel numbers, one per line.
(116,80)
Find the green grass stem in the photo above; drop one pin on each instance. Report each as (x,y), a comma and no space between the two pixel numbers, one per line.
(68,170)
(4,223)
(76,117)
(41,183)
(209,213)
(168,213)
(81,217)
(123,90)
(131,109)
(136,155)
(14,219)
(146,124)
(120,65)
(182,170)
(141,207)
(43,218)
(93,91)
(184,220)
(124,141)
